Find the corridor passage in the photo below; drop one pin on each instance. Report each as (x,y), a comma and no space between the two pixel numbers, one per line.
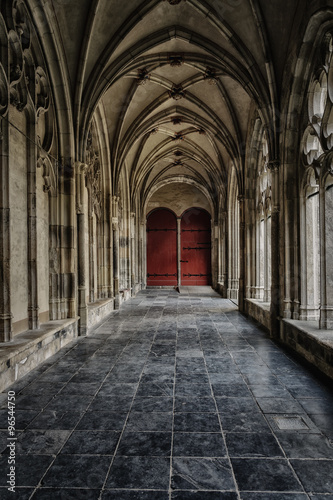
(176,396)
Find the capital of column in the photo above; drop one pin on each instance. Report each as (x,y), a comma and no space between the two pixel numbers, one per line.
(240,198)
(81,168)
(274,165)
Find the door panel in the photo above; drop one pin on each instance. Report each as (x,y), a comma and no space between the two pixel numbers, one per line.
(161,248)
(196,248)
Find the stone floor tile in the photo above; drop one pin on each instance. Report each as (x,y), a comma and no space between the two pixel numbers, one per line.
(139,473)
(149,421)
(315,475)
(198,445)
(102,420)
(145,444)
(77,471)
(91,443)
(265,475)
(29,469)
(203,495)
(201,474)
(21,493)
(254,445)
(41,442)
(196,422)
(305,445)
(192,404)
(65,494)
(135,495)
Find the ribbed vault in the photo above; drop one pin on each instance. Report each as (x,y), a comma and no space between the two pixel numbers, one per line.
(178,82)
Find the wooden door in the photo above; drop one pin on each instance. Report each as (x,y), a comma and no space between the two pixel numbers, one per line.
(161,248)
(196,248)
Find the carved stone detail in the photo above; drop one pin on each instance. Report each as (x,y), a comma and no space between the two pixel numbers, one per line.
(210,76)
(143,76)
(177,92)
(93,178)
(175,59)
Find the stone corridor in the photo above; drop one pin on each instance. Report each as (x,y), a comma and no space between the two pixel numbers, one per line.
(175,396)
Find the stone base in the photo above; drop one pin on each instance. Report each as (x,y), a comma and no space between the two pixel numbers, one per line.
(259,311)
(27,350)
(315,345)
(98,311)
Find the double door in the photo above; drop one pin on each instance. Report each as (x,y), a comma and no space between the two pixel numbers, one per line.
(178,250)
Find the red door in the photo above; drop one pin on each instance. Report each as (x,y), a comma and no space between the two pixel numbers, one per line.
(161,248)
(196,248)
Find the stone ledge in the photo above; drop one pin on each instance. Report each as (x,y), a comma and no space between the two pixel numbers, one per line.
(97,311)
(315,345)
(28,349)
(259,311)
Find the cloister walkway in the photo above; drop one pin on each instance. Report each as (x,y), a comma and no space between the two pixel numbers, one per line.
(175,396)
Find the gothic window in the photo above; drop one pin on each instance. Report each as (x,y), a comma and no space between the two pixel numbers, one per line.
(316,209)
(263,222)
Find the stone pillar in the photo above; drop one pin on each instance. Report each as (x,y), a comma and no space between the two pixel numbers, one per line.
(241,246)
(115,241)
(33,308)
(5,304)
(215,237)
(326,252)
(179,251)
(133,260)
(81,248)
(274,166)
(224,256)
(67,223)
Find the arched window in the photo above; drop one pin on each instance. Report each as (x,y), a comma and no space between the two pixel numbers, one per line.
(263,226)
(316,195)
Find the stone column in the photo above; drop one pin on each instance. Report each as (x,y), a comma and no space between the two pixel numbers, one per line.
(241,246)
(33,308)
(179,251)
(274,166)
(224,256)
(326,252)
(81,170)
(5,304)
(133,260)
(215,237)
(115,241)
(67,202)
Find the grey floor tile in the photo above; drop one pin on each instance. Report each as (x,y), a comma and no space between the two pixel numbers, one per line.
(201,474)
(66,494)
(315,475)
(139,473)
(203,495)
(145,444)
(91,443)
(77,471)
(102,420)
(305,445)
(21,493)
(41,442)
(255,445)
(265,475)
(244,422)
(196,422)
(29,469)
(150,421)
(198,445)
(135,495)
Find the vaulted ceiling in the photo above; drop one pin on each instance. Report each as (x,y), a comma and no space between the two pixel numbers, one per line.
(178,81)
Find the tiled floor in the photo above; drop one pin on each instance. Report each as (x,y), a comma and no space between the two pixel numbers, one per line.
(176,396)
